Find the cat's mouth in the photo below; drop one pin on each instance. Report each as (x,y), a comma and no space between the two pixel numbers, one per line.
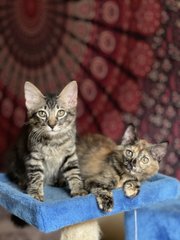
(53,132)
(136,170)
(128,165)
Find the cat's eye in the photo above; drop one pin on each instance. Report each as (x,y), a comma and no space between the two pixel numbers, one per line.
(42,114)
(144,160)
(61,113)
(129,153)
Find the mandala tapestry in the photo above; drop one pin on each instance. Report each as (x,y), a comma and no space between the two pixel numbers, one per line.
(124,55)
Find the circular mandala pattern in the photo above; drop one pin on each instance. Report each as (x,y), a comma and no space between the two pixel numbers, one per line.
(99,67)
(144,59)
(123,54)
(89,90)
(129,96)
(107,42)
(110,12)
(148,16)
(112,124)
(27,27)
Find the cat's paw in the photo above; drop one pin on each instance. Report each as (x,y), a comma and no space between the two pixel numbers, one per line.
(105,201)
(83,192)
(37,195)
(131,189)
(79,192)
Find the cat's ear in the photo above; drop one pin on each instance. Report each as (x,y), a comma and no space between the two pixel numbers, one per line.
(158,151)
(33,96)
(130,135)
(68,96)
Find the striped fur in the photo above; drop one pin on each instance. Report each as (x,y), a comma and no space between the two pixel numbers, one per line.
(46,151)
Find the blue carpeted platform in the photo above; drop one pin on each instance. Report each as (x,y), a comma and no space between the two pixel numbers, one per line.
(60,210)
(158,222)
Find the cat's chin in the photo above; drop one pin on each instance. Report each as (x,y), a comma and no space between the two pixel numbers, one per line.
(134,172)
(53,133)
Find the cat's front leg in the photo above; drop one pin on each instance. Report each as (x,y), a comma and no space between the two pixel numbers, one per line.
(102,187)
(71,172)
(131,188)
(104,198)
(35,177)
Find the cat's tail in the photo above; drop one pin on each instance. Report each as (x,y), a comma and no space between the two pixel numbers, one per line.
(18,222)
(84,231)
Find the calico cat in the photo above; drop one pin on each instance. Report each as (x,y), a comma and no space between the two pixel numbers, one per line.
(46,152)
(105,165)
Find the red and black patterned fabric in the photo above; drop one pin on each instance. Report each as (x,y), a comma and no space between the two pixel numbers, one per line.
(124,54)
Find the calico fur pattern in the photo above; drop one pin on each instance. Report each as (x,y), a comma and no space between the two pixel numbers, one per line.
(105,165)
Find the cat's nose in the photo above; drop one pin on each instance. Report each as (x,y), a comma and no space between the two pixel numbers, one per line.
(51,125)
(129,166)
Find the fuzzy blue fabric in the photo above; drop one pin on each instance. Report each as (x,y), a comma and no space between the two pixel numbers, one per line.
(60,210)
(158,222)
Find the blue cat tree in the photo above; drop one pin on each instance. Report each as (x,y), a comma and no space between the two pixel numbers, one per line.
(153,215)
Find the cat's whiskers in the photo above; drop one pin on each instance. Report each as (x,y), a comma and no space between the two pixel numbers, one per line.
(37,133)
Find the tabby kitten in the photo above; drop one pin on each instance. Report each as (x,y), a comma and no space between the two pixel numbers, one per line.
(105,165)
(46,150)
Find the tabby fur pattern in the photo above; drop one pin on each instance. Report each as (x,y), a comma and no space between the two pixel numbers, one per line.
(46,151)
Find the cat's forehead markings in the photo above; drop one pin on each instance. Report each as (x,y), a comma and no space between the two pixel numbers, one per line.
(51,101)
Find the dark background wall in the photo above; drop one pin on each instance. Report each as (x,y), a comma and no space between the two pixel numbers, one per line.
(124,55)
